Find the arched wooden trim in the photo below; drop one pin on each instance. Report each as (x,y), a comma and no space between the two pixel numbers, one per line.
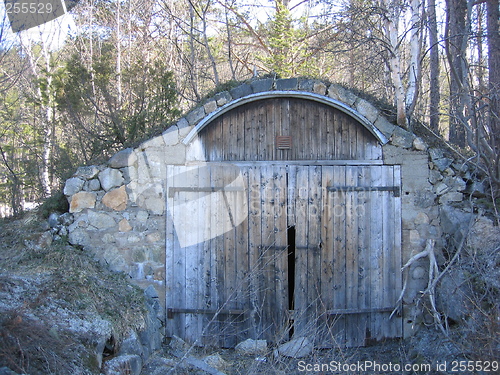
(286,94)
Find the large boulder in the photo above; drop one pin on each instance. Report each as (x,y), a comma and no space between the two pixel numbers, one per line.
(82,200)
(453,296)
(123,158)
(73,186)
(296,348)
(116,199)
(124,364)
(110,178)
(252,347)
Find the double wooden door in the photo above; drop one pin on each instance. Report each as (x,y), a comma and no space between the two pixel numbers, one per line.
(278,251)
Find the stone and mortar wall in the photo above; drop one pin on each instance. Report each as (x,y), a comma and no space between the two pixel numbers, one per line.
(432,183)
(119,208)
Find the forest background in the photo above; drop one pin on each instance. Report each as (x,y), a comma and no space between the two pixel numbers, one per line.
(126,69)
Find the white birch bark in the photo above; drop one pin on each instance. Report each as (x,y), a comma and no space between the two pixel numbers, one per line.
(118,55)
(391,29)
(46,109)
(414,68)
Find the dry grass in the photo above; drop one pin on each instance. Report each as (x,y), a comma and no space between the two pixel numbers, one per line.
(54,302)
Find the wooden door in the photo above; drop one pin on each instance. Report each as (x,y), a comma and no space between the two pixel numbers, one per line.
(348,253)
(226,253)
(286,250)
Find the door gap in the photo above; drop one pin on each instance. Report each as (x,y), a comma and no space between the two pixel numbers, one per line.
(291,275)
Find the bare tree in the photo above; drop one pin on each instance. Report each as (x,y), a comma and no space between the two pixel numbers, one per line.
(434,69)
(494,75)
(41,69)
(456,37)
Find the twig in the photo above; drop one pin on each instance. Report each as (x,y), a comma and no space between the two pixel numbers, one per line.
(413,259)
(434,275)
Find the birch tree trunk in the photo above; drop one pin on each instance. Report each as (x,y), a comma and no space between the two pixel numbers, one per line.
(391,30)
(456,43)
(494,74)
(193,70)
(118,56)
(207,44)
(412,91)
(229,44)
(434,68)
(46,118)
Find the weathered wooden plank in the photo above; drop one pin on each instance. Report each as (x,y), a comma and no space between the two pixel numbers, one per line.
(359,311)
(363,212)
(231,133)
(308,162)
(280,253)
(387,249)
(353,188)
(297,132)
(242,258)
(240,210)
(268,252)
(376,254)
(193,299)
(204,254)
(347,138)
(398,282)
(267,122)
(301,241)
(339,254)
(218,255)
(360,148)
(227,202)
(376,150)
(249,132)
(291,194)
(315,245)
(311,124)
(172,311)
(254,241)
(329,138)
(314,128)
(169,256)
(323,129)
(389,238)
(261,123)
(284,128)
(212,244)
(301,129)
(179,255)
(327,252)
(239,129)
(351,241)
(337,136)
(219,140)
(353,149)
(304,126)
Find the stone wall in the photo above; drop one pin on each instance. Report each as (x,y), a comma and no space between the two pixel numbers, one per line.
(119,208)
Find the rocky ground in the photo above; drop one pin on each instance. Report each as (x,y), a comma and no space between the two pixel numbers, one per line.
(60,311)
(426,353)
(63,313)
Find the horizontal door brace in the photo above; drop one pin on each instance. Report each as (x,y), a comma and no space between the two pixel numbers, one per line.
(350,311)
(225,189)
(395,189)
(172,311)
(359,311)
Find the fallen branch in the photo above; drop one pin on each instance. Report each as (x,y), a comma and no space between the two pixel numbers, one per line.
(434,275)
(429,247)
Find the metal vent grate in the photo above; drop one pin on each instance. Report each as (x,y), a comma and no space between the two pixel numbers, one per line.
(283,142)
